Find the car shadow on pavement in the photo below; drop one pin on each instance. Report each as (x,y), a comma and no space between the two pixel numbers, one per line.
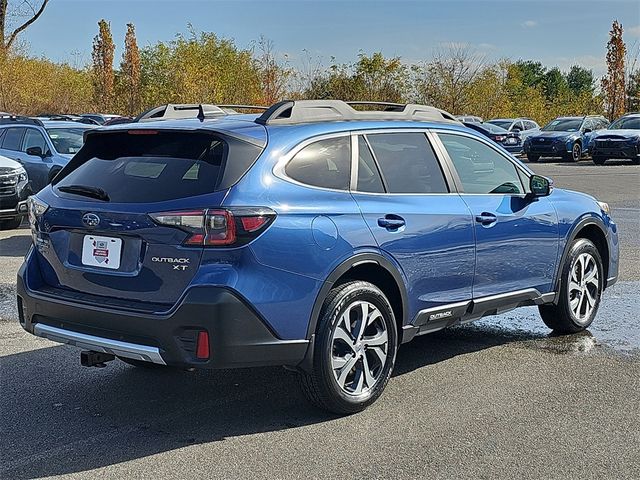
(60,418)
(16,245)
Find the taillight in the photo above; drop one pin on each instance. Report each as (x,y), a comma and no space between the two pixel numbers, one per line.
(218,227)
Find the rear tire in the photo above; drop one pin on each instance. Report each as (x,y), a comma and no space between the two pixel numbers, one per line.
(11,224)
(352,361)
(581,284)
(533,158)
(598,160)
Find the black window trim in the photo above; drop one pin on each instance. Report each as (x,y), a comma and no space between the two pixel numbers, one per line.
(447,159)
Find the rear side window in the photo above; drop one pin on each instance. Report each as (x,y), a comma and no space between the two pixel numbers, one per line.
(325,163)
(408,163)
(13,139)
(159,166)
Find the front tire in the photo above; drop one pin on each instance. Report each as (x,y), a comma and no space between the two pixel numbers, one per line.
(576,153)
(355,349)
(533,158)
(598,160)
(581,287)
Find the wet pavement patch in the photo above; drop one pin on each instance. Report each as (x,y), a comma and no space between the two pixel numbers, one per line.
(616,326)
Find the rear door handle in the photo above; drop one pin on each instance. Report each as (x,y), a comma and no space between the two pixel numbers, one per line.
(486,218)
(391,222)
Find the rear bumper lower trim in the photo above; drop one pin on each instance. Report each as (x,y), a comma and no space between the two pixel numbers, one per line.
(99,344)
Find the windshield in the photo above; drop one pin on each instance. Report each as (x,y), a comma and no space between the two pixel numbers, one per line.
(493,128)
(631,123)
(563,125)
(501,123)
(67,140)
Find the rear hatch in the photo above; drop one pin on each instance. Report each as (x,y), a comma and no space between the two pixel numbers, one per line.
(127,221)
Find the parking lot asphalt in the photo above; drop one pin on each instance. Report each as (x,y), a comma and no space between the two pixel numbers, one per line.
(499,398)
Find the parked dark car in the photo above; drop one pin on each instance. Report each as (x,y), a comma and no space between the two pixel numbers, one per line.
(99,118)
(313,236)
(524,126)
(14,190)
(621,140)
(42,147)
(469,118)
(563,137)
(510,141)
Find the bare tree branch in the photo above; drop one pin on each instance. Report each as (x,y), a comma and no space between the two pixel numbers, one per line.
(26,24)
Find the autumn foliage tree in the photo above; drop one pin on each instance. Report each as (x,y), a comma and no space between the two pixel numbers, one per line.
(613,83)
(130,73)
(102,69)
(26,12)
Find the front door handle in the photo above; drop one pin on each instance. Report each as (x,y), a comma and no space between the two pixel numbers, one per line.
(391,222)
(486,218)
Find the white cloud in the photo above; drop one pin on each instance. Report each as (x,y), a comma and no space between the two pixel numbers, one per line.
(633,31)
(530,24)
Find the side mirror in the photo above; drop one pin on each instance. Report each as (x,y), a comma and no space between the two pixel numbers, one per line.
(540,186)
(586,130)
(516,129)
(35,151)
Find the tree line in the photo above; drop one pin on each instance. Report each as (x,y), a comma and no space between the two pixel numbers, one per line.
(201,67)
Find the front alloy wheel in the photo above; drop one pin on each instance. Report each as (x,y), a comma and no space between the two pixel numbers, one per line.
(581,284)
(354,349)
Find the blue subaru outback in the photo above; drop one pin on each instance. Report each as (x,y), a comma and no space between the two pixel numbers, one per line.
(314,236)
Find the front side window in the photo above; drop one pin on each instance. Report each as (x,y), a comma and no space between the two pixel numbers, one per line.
(325,164)
(481,169)
(13,139)
(408,163)
(33,138)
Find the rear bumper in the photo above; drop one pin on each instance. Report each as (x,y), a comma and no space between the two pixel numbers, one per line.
(238,336)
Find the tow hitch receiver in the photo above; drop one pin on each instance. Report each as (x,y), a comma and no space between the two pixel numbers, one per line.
(89,358)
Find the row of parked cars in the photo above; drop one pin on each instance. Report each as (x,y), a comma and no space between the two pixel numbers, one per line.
(570,138)
(34,149)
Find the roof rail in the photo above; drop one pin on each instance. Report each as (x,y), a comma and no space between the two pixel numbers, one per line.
(17,119)
(290,112)
(181,111)
(232,108)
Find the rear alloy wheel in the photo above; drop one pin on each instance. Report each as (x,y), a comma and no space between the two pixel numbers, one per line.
(576,153)
(533,158)
(355,349)
(598,160)
(581,286)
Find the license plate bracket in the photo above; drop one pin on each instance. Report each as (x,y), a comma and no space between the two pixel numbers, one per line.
(101,252)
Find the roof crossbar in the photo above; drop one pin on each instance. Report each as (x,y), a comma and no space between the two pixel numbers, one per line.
(290,112)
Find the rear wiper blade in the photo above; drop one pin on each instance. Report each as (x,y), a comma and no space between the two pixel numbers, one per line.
(87,191)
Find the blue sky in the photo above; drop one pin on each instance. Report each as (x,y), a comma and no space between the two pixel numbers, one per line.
(556,32)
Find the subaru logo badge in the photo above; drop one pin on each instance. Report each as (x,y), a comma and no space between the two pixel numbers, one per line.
(90,219)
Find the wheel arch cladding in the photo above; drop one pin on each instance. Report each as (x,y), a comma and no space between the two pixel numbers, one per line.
(591,229)
(371,268)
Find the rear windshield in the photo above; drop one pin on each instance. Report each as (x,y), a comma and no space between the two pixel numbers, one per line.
(156,166)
